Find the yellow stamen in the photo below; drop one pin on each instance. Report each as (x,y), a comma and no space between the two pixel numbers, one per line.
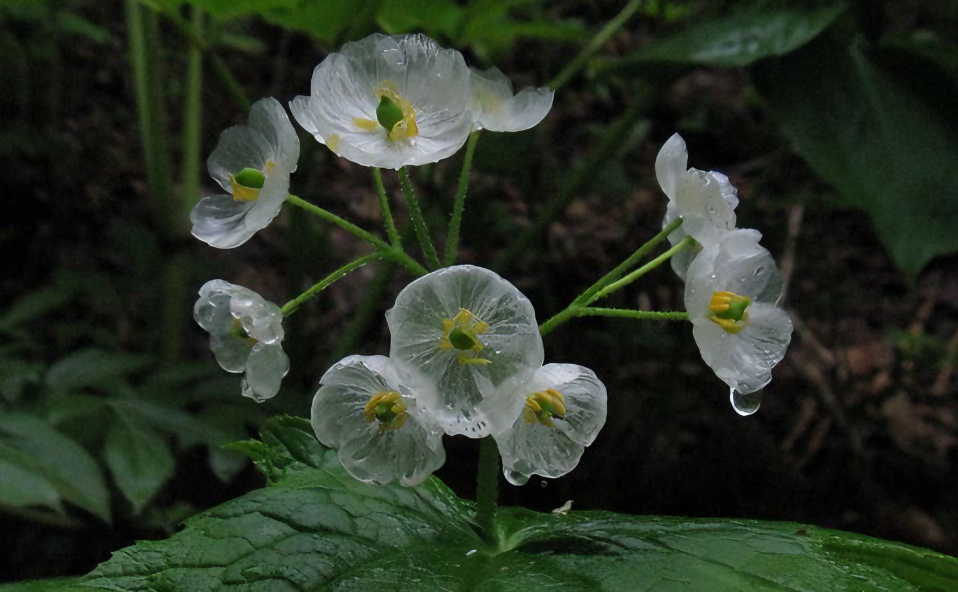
(387,408)
(543,406)
(367,125)
(407,126)
(729,311)
(462,333)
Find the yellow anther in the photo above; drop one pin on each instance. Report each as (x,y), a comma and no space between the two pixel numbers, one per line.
(387,408)
(366,125)
(543,406)
(729,311)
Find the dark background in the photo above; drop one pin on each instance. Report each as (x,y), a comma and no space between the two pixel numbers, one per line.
(857,430)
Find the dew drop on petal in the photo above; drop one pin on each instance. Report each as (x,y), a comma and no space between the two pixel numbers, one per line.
(516,478)
(745,405)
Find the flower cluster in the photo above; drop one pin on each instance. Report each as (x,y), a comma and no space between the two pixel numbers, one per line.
(465,358)
(731,282)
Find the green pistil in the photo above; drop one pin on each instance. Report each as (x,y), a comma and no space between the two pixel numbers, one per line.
(251,178)
(460,340)
(388,113)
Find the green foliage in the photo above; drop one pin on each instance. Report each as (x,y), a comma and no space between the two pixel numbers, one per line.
(883,143)
(316,528)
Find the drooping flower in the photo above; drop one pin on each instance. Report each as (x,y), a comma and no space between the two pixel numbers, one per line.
(554,416)
(464,331)
(496,109)
(730,294)
(246,335)
(389,101)
(373,416)
(252,163)
(705,201)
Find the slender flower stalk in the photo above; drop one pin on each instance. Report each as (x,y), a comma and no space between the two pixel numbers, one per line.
(415,213)
(452,239)
(291,306)
(487,485)
(391,231)
(686,243)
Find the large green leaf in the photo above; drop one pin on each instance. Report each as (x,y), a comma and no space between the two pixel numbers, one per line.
(139,459)
(738,39)
(315,528)
(92,367)
(878,140)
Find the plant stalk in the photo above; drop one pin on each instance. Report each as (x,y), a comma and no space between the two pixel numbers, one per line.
(418,223)
(452,238)
(391,231)
(487,486)
(291,306)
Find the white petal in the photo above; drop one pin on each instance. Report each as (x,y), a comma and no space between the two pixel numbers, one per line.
(212,309)
(231,352)
(265,369)
(261,319)
(585,399)
(534,449)
(239,147)
(683,259)
(269,118)
(744,360)
(410,453)
(512,342)
(671,165)
(706,212)
(499,111)
(224,223)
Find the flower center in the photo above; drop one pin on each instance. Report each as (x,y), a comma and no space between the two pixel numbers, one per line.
(394,113)
(462,333)
(543,406)
(729,311)
(386,407)
(248,182)
(238,332)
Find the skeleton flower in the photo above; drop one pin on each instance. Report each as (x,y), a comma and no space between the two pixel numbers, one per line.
(373,417)
(389,101)
(253,164)
(730,294)
(704,200)
(246,334)
(464,331)
(496,109)
(555,415)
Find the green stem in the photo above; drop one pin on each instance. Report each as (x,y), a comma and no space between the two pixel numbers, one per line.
(419,224)
(370,307)
(387,251)
(487,485)
(452,238)
(291,306)
(646,315)
(192,113)
(637,256)
(595,44)
(580,178)
(384,207)
(684,244)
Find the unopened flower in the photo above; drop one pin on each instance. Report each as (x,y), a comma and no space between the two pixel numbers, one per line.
(252,163)
(464,331)
(730,294)
(389,101)
(246,335)
(705,201)
(366,410)
(496,109)
(555,415)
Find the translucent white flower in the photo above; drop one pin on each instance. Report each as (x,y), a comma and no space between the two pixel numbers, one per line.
(554,416)
(730,294)
(246,334)
(389,101)
(705,201)
(496,109)
(464,331)
(366,410)
(252,163)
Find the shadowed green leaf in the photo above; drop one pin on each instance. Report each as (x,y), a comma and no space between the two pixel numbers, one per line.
(139,459)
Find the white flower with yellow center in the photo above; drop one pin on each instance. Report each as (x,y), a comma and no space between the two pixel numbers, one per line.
(389,101)
(705,201)
(554,416)
(496,109)
(463,331)
(252,163)
(367,411)
(246,335)
(730,294)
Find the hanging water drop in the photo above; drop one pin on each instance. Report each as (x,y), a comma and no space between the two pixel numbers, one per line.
(745,405)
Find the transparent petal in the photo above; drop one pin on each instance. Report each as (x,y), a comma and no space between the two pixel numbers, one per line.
(261,319)
(511,343)
(683,259)
(534,449)
(265,369)
(220,221)
(706,212)
(410,453)
(671,165)
(585,399)
(498,110)
(268,117)
(744,360)
(212,309)
(231,352)
(239,147)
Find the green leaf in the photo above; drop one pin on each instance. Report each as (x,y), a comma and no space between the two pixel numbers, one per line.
(315,528)
(875,139)
(58,459)
(20,483)
(735,40)
(139,459)
(33,305)
(92,367)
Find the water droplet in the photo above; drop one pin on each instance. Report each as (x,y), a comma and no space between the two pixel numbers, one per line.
(745,404)
(759,270)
